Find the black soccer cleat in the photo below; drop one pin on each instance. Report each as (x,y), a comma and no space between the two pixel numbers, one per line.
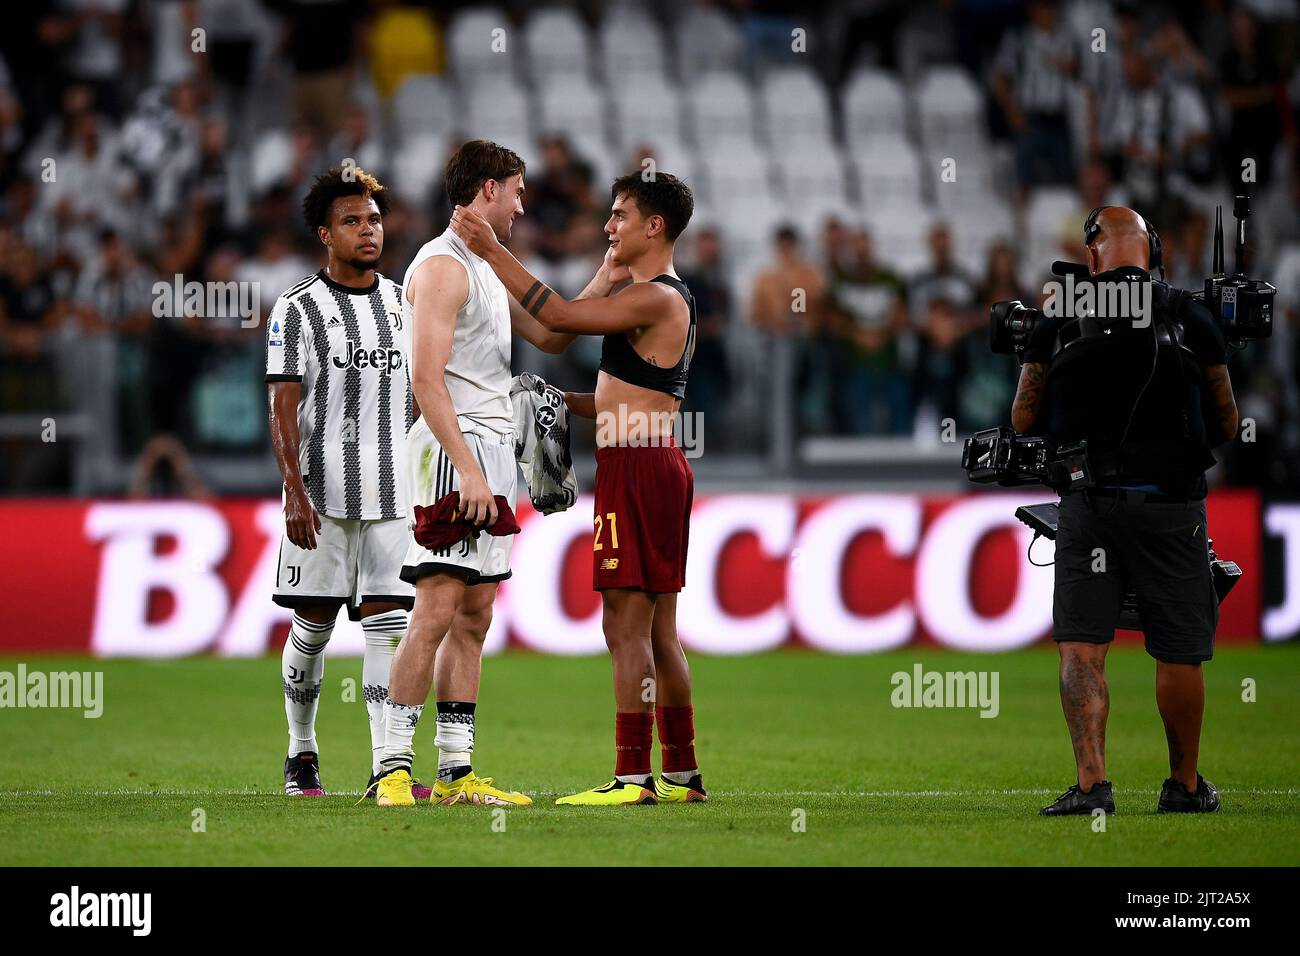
(1174,797)
(302,776)
(1075,801)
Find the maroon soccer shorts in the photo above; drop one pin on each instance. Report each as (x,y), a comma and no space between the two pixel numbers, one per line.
(642,517)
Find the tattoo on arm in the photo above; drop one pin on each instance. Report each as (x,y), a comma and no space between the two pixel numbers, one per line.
(1219,388)
(535,298)
(1030,393)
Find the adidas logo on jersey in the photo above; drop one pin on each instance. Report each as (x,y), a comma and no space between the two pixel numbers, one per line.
(386,360)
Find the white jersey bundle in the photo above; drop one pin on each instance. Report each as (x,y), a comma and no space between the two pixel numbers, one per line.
(542,443)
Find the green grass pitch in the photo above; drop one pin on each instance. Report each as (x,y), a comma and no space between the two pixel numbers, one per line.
(783,738)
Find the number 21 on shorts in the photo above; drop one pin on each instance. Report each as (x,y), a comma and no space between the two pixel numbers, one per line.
(613,531)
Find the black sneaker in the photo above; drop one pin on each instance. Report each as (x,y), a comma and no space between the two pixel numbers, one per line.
(302,776)
(418,790)
(1174,797)
(1076,801)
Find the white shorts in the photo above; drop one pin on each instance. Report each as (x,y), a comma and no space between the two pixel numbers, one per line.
(354,561)
(430,477)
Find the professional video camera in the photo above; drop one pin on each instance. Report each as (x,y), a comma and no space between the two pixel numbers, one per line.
(1000,455)
(1242,307)
(1043,520)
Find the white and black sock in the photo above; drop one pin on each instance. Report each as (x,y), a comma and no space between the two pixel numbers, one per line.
(455,739)
(383,633)
(399,735)
(302,665)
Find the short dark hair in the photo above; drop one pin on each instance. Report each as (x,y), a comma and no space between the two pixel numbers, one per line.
(333,184)
(786,233)
(473,164)
(663,194)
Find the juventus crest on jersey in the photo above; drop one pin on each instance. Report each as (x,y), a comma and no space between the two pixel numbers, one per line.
(346,346)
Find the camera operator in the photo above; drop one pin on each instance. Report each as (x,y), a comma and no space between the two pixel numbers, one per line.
(1150,409)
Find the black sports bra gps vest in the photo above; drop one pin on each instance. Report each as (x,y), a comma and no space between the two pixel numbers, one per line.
(620,359)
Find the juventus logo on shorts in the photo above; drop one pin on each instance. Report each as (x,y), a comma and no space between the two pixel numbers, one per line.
(295,575)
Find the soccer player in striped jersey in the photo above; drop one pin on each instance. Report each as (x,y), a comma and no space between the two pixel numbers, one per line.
(340,404)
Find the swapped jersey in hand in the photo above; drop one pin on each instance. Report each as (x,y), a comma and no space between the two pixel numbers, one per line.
(345,346)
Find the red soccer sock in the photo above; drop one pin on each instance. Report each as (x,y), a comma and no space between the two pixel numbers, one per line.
(633,738)
(676,738)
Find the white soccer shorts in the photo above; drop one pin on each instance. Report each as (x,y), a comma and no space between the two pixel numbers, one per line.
(430,477)
(354,561)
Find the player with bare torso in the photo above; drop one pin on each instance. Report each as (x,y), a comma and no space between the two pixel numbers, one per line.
(644,485)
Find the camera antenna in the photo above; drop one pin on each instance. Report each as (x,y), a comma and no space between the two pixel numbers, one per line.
(1217,270)
(1241,212)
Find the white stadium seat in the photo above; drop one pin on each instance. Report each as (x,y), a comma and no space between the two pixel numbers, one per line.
(418,162)
(1285,274)
(950,110)
(738,175)
(572,105)
(1046,215)
(721,110)
(972,182)
(497,109)
(975,229)
(796,108)
(888,173)
(747,229)
(901,237)
(557,43)
(650,111)
(272,159)
(631,46)
(424,104)
(707,39)
(809,177)
(471,42)
(814,187)
(874,106)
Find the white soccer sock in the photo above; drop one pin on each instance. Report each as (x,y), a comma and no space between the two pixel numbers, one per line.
(383,633)
(455,739)
(399,734)
(302,665)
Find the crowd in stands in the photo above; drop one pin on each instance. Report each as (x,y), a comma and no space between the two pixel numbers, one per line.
(869,179)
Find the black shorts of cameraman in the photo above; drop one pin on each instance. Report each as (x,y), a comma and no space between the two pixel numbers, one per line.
(1112,539)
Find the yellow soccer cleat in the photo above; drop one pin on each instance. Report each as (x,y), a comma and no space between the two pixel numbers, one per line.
(475,789)
(613,794)
(669,792)
(395,790)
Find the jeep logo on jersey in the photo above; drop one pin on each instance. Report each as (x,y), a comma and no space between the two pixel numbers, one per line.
(386,360)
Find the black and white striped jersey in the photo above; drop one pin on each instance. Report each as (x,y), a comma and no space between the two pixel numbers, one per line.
(346,347)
